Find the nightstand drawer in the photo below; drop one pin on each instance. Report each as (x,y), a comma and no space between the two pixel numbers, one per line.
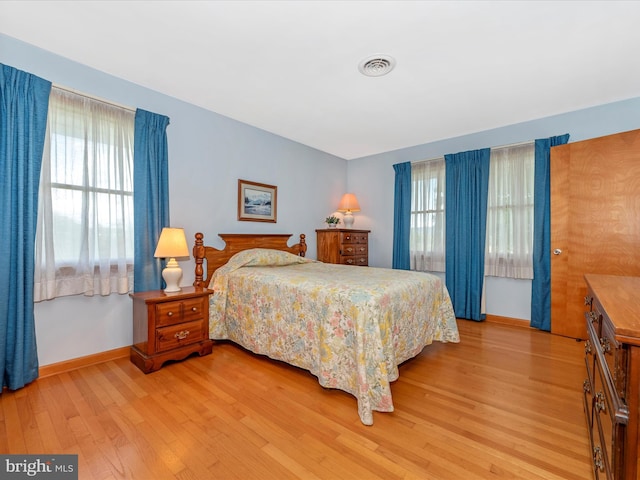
(193,309)
(168,313)
(168,338)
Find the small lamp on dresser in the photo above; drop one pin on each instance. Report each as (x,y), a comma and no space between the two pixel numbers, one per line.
(348,204)
(172,243)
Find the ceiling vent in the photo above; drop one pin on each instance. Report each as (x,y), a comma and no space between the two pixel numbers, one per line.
(377,65)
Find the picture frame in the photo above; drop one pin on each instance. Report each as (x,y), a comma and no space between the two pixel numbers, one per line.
(257,202)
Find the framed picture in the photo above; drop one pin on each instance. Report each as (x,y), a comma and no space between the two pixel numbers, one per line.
(257,202)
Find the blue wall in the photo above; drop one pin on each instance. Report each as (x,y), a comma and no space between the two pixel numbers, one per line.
(371,179)
(208,153)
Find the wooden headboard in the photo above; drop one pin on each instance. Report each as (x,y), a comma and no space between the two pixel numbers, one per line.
(237,242)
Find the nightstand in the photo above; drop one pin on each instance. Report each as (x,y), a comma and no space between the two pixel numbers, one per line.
(169,326)
(346,246)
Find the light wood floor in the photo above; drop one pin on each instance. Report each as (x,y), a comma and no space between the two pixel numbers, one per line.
(505,403)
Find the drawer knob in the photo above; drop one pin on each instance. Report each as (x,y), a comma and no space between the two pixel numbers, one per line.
(194,309)
(170,314)
(182,334)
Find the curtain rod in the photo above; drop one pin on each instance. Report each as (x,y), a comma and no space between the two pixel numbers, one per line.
(518,144)
(92,97)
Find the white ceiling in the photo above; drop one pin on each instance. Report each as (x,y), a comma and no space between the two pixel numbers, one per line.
(291,67)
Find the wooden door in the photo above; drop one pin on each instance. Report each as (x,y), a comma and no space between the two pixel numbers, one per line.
(595,221)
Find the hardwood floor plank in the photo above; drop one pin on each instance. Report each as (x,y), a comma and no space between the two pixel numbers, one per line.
(505,403)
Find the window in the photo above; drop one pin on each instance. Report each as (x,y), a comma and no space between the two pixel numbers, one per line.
(509,240)
(427,238)
(84,240)
(509,233)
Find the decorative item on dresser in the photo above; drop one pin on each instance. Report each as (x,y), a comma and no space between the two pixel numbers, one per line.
(348,205)
(169,326)
(345,246)
(612,387)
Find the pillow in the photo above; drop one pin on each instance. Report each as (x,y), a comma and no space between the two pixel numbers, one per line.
(264,257)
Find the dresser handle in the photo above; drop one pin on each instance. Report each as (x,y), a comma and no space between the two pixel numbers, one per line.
(598,461)
(170,314)
(349,261)
(593,316)
(194,309)
(587,347)
(606,345)
(600,404)
(586,386)
(182,334)
(588,299)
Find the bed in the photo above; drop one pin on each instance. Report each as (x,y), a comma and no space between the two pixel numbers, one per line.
(349,326)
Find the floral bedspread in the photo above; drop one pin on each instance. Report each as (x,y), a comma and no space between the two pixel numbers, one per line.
(349,326)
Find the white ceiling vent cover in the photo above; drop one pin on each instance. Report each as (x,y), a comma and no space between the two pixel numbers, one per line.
(377,65)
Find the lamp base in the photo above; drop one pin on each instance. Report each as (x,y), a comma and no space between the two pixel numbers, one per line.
(172,275)
(348,220)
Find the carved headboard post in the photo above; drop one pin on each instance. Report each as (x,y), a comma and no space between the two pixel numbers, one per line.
(303,245)
(198,254)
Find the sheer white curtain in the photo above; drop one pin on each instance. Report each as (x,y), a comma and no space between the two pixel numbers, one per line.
(427,238)
(509,240)
(84,238)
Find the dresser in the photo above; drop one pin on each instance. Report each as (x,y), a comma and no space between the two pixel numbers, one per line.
(344,246)
(169,326)
(612,387)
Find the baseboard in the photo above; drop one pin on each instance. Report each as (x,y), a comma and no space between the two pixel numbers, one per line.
(75,363)
(515,322)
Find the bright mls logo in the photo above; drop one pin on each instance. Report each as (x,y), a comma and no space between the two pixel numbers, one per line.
(50,467)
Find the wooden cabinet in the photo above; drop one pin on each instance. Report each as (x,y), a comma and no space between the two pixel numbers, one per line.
(169,326)
(345,246)
(612,387)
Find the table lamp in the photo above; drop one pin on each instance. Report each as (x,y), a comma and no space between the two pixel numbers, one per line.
(348,204)
(172,243)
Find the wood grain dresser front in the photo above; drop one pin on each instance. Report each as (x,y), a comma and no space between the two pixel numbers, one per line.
(612,387)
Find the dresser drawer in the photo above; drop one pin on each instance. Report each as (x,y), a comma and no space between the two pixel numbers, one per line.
(355,260)
(168,338)
(353,237)
(354,249)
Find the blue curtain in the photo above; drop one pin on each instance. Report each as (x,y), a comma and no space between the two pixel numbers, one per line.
(467,184)
(150,196)
(402,216)
(24,103)
(541,284)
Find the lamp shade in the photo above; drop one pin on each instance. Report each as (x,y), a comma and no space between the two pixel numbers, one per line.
(349,203)
(172,243)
